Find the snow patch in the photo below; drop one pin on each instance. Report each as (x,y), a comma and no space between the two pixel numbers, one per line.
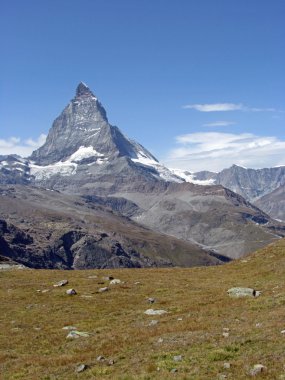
(190,177)
(65,168)
(163,172)
(84,152)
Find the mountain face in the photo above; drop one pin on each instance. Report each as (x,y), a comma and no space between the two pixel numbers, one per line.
(274,203)
(82,132)
(85,155)
(252,184)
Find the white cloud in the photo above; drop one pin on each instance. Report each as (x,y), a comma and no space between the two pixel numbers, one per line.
(14,145)
(223,107)
(215,151)
(215,107)
(222,123)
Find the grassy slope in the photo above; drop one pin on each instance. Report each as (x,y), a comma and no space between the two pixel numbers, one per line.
(34,346)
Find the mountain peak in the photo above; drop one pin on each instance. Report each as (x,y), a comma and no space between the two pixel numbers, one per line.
(83,89)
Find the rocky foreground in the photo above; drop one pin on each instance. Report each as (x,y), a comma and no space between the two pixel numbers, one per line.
(221,322)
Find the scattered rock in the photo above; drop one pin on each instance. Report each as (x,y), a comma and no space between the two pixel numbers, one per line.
(226,334)
(69,328)
(60,283)
(107,278)
(94,276)
(81,368)
(102,290)
(71,292)
(160,340)
(283,332)
(74,334)
(243,292)
(137,283)
(151,300)
(226,329)
(111,362)
(153,322)
(155,312)
(257,369)
(115,281)
(179,319)
(259,325)
(173,370)
(177,358)
(227,365)
(100,358)
(43,291)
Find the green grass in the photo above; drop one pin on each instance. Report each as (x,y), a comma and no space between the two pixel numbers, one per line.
(34,346)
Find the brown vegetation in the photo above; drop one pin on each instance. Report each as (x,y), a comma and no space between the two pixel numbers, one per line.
(34,346)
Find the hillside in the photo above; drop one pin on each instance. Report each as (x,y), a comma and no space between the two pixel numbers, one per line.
(45,229)
(203,323)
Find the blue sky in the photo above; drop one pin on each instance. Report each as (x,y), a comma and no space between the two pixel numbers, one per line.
(199,83)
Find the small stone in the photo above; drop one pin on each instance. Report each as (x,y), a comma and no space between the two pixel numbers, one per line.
(173,370)
(179,319)
(258,325)
(153,322)
(74,334)
(81,368)
(257,369)
(160,340)
(243,292)
(137,283)
(227,365)
(151,300)
(71,292)
(226,334)
(115,281)
(226,329)
(69,328)
(108,278)
(283,332)
(60,283)
(111,362)
(91,277)
(100,358)
(177,358)
(155,312)
(102,290)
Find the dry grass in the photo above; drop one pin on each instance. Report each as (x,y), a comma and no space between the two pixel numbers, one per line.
(34,346)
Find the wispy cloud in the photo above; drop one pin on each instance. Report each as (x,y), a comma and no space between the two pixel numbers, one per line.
(215,107)
(15,145)
(224,107)
(222,123)
(216,151)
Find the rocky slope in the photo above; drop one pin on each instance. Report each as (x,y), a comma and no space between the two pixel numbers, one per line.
(45,229)
(210,215)
(274,203)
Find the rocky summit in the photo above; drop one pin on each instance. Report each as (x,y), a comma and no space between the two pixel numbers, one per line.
(86,165)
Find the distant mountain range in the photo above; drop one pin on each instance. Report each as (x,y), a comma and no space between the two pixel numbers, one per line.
(87,165)
(262,187)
